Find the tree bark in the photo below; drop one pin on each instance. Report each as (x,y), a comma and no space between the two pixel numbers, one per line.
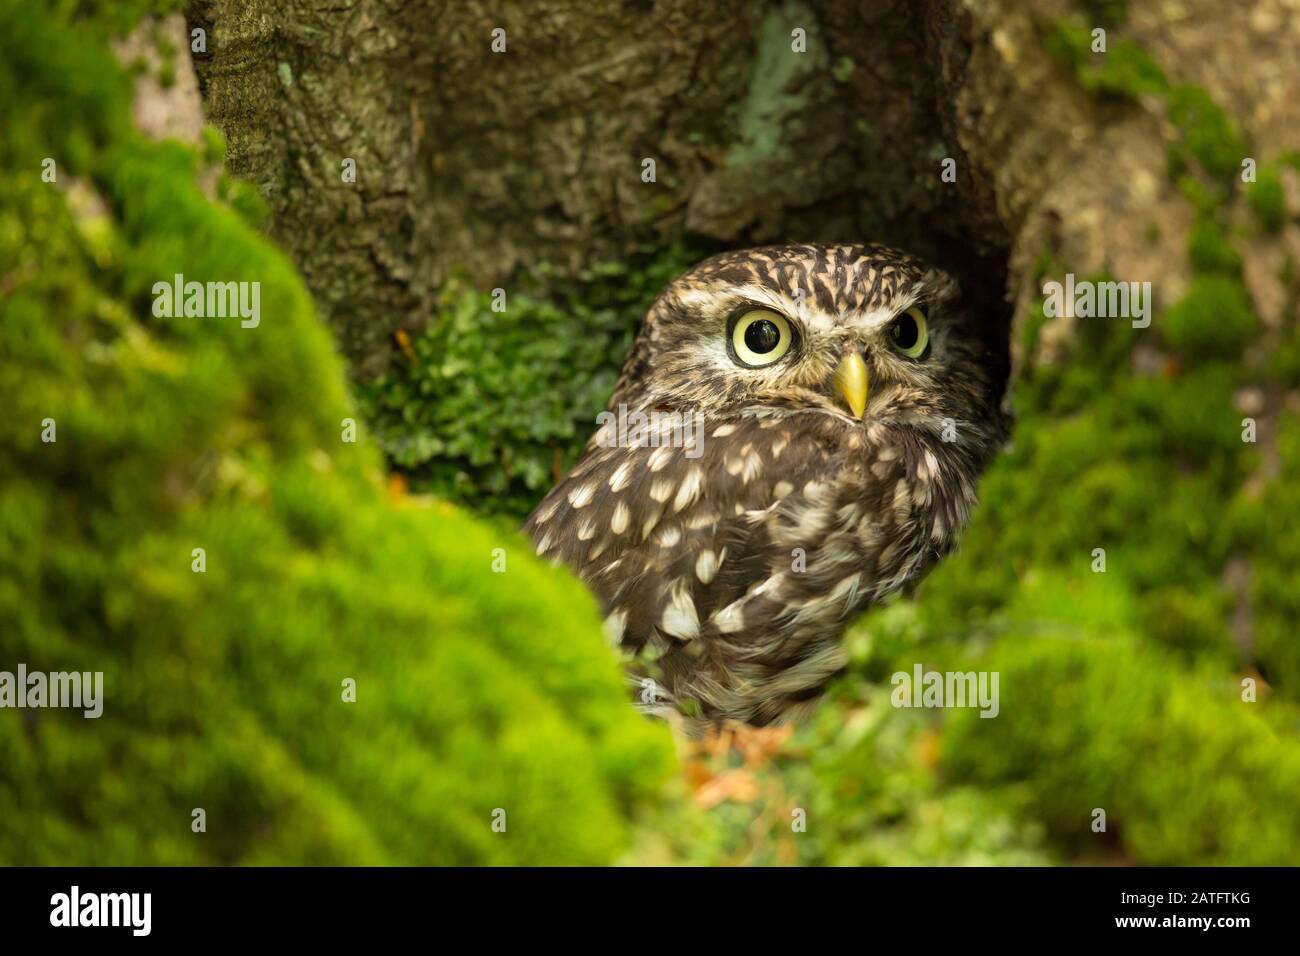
(484,162)
(488,163)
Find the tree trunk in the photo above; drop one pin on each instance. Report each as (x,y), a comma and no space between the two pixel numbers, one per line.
(481,161)
(491,162)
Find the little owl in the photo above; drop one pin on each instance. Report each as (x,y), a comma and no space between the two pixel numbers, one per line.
(810,425)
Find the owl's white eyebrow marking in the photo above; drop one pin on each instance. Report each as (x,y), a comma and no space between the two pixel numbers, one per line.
(873,320)
(803,309)
(884,314)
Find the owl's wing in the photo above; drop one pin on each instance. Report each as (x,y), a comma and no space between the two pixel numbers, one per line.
(741,549)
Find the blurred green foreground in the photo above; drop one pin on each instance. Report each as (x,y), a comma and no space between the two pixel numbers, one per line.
(475,691)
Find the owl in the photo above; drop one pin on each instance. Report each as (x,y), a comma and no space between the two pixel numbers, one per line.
(796,434)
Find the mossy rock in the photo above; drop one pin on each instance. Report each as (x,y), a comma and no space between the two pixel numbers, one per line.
(1187,772)
(475,691)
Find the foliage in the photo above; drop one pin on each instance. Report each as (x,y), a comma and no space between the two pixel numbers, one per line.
(1209,250)
(491,406)
(1207,133)
(1123,71)
(474,690)
(1267,198)
(1214,318)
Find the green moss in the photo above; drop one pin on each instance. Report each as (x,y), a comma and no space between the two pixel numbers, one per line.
(1207,133)
(491,405)
(1209,250)
(1124,72)
(1047,266)
(223,689)
(1186,771)
(213,149)
(1193,621)
(1206,198)
(1267,198)
(1207,137)
(1284,359)
(1214,318)
(117,16)
(243,198)
(167,55)
(1266,522)
(1106,13)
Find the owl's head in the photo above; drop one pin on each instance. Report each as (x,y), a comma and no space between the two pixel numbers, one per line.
(863,333)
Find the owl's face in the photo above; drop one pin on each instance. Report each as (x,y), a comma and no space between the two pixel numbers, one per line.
(863,333)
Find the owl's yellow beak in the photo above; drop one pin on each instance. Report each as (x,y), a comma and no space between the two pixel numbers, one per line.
(850,382)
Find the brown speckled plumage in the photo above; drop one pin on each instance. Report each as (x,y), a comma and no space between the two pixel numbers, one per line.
(730,573)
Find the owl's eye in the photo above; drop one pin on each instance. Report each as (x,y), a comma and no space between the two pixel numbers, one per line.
(909,333)
(761,337)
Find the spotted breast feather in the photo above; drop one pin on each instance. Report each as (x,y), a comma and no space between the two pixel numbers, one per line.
(729,572)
